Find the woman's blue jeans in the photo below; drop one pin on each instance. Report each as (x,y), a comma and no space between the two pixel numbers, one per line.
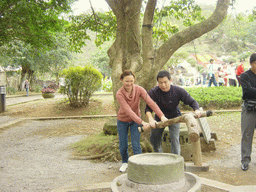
(123,128)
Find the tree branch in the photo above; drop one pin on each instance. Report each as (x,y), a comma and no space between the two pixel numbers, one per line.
(147,40)
(189,34)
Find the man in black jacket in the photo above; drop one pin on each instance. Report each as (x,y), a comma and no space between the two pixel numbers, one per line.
(167,97)
(248,115)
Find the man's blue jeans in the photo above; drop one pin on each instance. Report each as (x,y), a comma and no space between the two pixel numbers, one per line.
(123,128)
(174,132)
(27,91)
(212,80)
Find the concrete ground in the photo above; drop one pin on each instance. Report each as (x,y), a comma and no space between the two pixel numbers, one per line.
(39,164)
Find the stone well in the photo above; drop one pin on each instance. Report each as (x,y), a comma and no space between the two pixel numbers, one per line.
(159,172)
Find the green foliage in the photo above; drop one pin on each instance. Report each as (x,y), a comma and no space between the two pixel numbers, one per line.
(185,11)
(177,57)
(81,82)
(107,85)
(10,90)
(244,55)
(234,53)
(216,97)
(105,23)
(32,60)
(33,21)
(102,23)
(37,88)
(100,60)
(192,62)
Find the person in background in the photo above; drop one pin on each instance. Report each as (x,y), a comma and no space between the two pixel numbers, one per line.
(232,74)
(225,71)
(26,86)
(204,74)
(248,114)
(211,75)
(128,116)
(220,76)
(167,97)
(239,71)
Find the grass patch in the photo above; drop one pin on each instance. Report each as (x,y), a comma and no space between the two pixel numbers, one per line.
(98,147)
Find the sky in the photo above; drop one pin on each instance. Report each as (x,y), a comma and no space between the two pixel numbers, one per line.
(82,5)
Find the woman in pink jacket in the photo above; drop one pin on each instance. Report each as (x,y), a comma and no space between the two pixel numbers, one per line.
(128,116)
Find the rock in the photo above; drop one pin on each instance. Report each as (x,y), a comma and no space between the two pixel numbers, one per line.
(110,128)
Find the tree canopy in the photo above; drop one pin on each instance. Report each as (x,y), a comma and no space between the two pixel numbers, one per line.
(134,28)
(32,21)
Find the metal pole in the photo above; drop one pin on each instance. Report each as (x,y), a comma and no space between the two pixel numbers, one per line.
(2,98)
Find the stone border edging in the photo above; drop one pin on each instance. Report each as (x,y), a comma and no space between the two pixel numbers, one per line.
(83,117)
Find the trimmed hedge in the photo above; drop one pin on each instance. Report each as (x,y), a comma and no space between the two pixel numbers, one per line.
(215,97)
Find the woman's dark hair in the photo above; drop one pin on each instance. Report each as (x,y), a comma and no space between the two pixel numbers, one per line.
(126,73)
(252,58)
(162,74)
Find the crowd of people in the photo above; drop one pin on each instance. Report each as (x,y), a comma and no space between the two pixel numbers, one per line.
(225,74)
(228,74)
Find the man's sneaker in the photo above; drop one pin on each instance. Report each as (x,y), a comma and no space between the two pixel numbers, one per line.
(123,167)
(245,167)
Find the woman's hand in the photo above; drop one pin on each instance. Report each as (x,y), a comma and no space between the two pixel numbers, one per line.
(146,126)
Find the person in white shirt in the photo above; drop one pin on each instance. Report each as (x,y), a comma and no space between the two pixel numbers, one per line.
(232,74)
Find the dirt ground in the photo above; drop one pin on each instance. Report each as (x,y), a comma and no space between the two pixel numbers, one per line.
(224,162)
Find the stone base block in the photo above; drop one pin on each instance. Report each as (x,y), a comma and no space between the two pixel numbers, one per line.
(110,127)
(190,167)
(207,147)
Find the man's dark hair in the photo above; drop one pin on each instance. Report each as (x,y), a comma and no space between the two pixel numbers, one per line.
(252,58)
(162,74)
(211,60)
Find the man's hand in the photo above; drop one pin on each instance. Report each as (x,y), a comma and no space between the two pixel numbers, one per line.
(198,113)
(164,119)
(152,123)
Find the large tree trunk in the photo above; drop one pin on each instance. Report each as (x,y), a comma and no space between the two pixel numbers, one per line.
(133,48)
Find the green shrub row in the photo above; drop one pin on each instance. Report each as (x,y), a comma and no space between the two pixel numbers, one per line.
(215,97)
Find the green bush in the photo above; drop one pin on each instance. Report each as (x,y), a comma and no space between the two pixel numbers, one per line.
(107,85)
(37,88)
(215,97)
(10,90)
(80,82)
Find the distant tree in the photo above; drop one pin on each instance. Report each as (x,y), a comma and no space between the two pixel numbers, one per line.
(100,60)
(177,57)
(34,61)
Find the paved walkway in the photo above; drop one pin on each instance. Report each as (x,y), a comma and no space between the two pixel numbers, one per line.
(12,100)
(6,121)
